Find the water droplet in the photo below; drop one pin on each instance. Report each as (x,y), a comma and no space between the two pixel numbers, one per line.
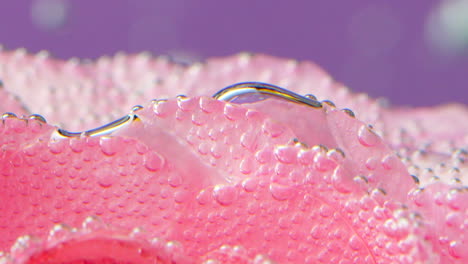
(225,194)
(59,233)
(329,103)
(109,145)
(326,211)
(30,150)
(263,156)
(153,161)
(419,197)
(136,108)
(175,180)
(273,128)
(457,249)
(457,199)
(162,108)
(249,140)
(337,155)
(233,112)
(24,246)
(105,178)
(390,162)
(311,97)
(306,157)
(249,184)
(367,137)
(318,232)
(77,144)
(93,223)
(138,233)
(286,154)
(454,219)
(415,179)
(204,196)
(38,118)
(341,180)
(323,163)
(186,104)
(349,112)
(281,192)
(57,146)
(379,195)
(204,148)
(8,115)
(397,228)
(355,243)
(246,166)
(210,105)
(181,196)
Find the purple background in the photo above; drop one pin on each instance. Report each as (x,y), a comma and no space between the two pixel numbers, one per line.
(374,46)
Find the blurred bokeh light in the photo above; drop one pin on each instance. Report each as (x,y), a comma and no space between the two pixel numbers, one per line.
(49,14)
(412,52)
(447,27)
